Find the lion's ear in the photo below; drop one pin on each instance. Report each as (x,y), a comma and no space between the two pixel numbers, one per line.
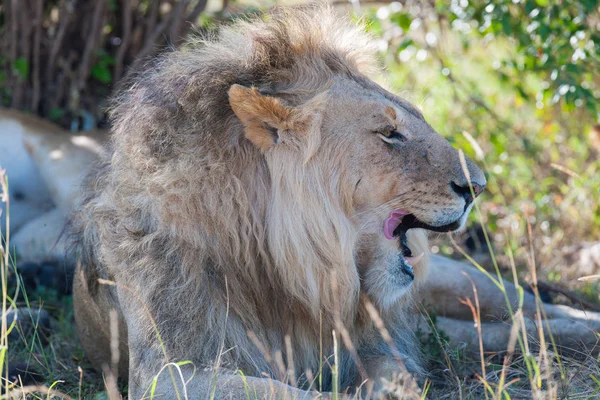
(262,116)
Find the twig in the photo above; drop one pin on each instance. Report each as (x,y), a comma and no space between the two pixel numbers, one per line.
(26,30)
(153,16)
(14,31)
(125,37)
(200,6)
(70,76)
(151,40)
(571,296)
(144,23)
(178,12)
(84,68)
(65,17)
(189,21)
(37,38)
(21,14)
(5,46)
(476,312)
(60,89)
(589,278)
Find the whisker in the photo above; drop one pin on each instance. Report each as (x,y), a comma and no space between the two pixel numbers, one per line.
(376,209)
(386,204)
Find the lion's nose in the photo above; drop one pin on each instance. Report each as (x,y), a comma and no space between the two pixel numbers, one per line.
(465,191)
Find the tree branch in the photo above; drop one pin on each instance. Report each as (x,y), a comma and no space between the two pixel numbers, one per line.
(125,37)
(66,10)
(200,6)
(178,12)
(39,17)
(84,67)
(151,40)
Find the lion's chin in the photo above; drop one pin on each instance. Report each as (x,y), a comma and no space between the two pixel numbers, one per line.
(387,294)
(392,277)
(388,285)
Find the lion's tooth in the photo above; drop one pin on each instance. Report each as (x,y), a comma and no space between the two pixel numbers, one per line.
(414,259)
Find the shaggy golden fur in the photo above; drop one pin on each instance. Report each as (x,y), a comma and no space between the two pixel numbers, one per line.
(243,203)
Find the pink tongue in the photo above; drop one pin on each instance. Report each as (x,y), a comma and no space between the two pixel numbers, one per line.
(392,222)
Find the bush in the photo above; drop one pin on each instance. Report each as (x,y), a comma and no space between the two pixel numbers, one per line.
(60,59)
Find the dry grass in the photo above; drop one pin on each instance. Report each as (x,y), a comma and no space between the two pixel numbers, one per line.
(540,204)
(519,373)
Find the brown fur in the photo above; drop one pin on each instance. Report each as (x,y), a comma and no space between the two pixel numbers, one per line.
(246,192)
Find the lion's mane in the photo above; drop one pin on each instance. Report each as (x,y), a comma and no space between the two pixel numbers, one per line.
(187,214)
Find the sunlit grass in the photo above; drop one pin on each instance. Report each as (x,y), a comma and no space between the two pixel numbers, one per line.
(522,372)
(544,185)
(541,165)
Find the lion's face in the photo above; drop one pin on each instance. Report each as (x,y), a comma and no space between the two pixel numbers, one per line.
(379,153)
(405,175)
(398,161)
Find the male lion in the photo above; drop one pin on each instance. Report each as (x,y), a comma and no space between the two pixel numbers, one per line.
(258,196)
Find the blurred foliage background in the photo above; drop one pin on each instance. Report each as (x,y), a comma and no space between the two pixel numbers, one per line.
(515,83)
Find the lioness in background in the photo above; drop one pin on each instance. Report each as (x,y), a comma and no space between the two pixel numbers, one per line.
(262,192)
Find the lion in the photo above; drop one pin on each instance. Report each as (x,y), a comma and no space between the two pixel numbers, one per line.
(261,214)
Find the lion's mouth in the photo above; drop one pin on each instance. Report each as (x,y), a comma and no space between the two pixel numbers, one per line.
(399,222)
(407,260)
(409,221)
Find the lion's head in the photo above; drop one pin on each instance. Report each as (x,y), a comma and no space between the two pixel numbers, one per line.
(365,153)
(373,153)
(266,162)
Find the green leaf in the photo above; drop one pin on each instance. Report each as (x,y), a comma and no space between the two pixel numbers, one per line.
(590,5)
(506,28)
(21,67)
(373,25)
(403,20)
(56,113)
(101,73)
(206,22)
(107,59)
(405,43)
(544,31)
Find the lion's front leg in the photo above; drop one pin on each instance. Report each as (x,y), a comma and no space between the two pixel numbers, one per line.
(390,378)
(151,376)
(186,382)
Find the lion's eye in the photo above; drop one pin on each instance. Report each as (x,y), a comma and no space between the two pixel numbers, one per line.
(392,136)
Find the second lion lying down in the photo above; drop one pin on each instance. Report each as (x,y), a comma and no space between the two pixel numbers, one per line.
(262,192)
